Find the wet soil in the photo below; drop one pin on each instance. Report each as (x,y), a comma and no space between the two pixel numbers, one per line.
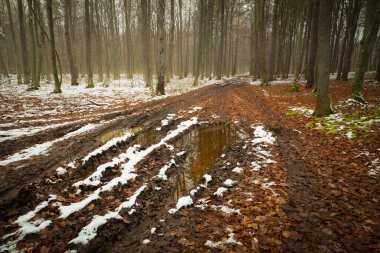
(313,197)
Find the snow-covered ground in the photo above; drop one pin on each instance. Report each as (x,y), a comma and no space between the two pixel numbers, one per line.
(22,107)
(122,89)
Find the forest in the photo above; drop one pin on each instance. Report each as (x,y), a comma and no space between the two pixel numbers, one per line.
(189,126)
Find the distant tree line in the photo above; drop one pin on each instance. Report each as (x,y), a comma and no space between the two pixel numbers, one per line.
(205,38)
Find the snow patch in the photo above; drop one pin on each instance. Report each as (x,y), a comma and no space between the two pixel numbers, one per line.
(61,171)
(237,170)
(219,192)
(182,202)
(109,144)
(89,232)
(43,148)
(27,226)
(229,182)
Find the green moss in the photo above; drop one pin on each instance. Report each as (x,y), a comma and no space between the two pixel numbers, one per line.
(372,181)
(291,113)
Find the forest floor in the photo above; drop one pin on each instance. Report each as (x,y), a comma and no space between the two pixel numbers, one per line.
(230,166)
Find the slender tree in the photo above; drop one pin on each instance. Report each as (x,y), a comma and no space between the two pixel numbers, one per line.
(221,41)
(73,68)
(145,31)
(371,27)
(272,52)
(24,48)
(14,43)
(49,14)
(128,37)
(160,89)
(323,106)
(352,20)
(377,78)
(87,29)
(313,44)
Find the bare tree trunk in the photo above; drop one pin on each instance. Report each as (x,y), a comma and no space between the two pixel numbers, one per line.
(15,47)
(49,12)
(378,65)
(171,42)
(128,37)
(180,42)
(73,68)
(197,59)
(99,43)
(87,31)
(187,54)
(313,44)
(323,107)
(371,27)
(272,52)
(259,11)
(24,49)
(221,41)
(145,27)
(352,20)
(160,89)
(34,84)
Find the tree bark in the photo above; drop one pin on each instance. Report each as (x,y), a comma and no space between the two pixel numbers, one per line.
(272,52)
(145,27)
(323,107)
(352,20)
(378,66)
(371,27)
(160,89)
(15,46)
(49,11)
(87,31)
(24,48)
(70,58)
(221,41)
(128,37)
(313,44)
(171,42)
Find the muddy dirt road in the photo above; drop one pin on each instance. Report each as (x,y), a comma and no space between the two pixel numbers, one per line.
(216,169)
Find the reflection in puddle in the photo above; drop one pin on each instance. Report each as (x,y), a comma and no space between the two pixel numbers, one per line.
(204,146)
(143,138)
(117,132)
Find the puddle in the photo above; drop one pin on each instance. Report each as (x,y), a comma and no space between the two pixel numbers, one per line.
(117,132)
(204,146)
(144,138)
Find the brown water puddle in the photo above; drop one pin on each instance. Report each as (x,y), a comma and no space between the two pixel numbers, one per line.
(117,132)
(205,144)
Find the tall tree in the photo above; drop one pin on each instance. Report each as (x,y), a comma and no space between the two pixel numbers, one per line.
(128,37)
(221,40)
(87,31)
(160,89)
(323,106)
(313,44)
(145,31)
(377,78)
(180,42)
(15,46)
(24,48)
(371,27)
(352,21)
(171,41)
(49,14)
(261,38)
(99,42)
(73,68)
(272,51)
